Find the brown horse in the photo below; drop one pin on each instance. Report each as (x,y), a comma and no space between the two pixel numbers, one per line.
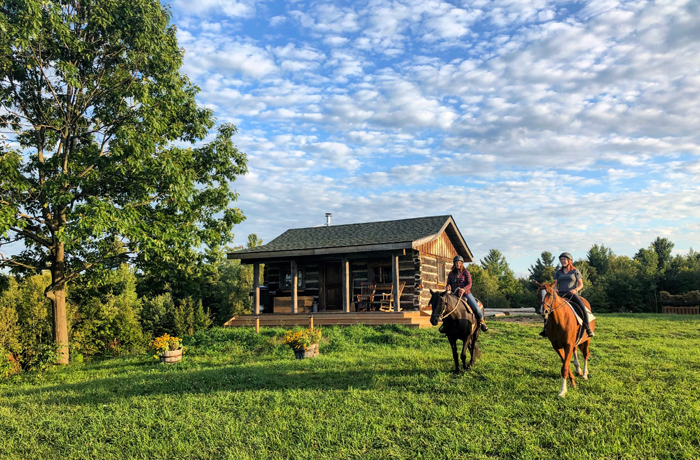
(562,330)
(458,324)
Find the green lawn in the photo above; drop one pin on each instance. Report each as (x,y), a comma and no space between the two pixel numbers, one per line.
(381,392)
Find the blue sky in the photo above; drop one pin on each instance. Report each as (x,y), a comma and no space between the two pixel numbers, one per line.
(539,125)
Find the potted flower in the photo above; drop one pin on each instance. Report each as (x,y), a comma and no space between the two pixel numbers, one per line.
(303,342)
(168,349)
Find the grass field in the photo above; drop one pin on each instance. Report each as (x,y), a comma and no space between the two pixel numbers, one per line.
(381,392)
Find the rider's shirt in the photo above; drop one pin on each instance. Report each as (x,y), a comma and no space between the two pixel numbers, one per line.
(567,281)
(461,279)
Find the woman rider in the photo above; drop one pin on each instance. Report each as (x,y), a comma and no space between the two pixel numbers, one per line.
(460,283)
(568,283)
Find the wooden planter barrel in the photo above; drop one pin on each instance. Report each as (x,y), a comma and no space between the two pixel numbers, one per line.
(310,352)
(171,357)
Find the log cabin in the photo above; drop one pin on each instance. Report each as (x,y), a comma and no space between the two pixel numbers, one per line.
(354,268)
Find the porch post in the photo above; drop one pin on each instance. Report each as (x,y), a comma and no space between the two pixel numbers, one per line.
(256,288)
(395,280)
(345,278)
(295,281)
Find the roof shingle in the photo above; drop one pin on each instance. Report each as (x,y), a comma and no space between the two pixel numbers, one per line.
(385,232)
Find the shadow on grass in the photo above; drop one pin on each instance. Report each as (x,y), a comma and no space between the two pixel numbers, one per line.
(280,376)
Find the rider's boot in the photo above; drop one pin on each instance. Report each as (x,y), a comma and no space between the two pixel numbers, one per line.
(544,330)
(590,332)
(483,326)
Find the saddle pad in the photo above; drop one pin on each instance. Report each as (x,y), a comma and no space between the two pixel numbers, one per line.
(578,318)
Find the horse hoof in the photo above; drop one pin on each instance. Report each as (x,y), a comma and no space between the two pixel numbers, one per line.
(562,394)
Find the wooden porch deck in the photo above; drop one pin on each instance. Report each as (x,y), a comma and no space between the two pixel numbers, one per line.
(414,319)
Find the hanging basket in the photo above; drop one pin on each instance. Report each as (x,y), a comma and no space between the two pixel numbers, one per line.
(310,352)
(170,357)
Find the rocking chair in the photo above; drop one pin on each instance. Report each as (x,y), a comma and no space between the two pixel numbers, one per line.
(387,301)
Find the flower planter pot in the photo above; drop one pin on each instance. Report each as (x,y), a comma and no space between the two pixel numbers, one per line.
(171,357)
(310,352)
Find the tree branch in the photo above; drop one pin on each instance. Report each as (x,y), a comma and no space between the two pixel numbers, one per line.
(32,236)
(9,262)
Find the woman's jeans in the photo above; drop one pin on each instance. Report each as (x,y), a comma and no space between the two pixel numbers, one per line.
(577,303)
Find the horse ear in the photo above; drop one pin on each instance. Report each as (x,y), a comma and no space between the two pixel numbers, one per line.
(431,292)
(538,284)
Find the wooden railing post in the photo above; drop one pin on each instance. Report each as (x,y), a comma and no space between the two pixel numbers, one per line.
(345,278)
(256,288)
(295,281)
(395,281)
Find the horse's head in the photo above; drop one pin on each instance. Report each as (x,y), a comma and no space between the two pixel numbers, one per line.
(437,303)
(545,296)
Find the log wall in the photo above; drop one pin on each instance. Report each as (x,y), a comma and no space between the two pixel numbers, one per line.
(427,273)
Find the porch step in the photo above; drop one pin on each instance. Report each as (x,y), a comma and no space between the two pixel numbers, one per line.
(407,318)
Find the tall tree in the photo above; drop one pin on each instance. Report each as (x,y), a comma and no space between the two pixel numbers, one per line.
(600,257)
(543,270)
(663,248)
(92,92)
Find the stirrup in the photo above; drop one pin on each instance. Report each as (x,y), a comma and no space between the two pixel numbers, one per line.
(590,332)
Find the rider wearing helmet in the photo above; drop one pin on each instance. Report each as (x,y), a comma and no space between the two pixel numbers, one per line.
(460,283)
(568,283)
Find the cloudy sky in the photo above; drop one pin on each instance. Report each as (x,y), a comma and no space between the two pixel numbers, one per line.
(539,125)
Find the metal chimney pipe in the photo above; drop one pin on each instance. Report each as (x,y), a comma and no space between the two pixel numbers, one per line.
(328,219)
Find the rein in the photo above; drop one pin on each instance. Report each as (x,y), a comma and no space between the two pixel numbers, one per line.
(443,315)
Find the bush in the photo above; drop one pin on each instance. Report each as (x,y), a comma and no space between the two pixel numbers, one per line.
(157,316)
(9,364)
(108,322)
(26,340)
(162,315)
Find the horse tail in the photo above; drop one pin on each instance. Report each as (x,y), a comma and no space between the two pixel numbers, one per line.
(477,351)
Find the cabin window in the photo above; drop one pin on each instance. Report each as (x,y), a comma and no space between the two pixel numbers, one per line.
(288,279)
(441,272)
(381,274)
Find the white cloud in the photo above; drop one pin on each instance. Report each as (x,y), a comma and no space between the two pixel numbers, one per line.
(231,8)
(505,113)
(277,20)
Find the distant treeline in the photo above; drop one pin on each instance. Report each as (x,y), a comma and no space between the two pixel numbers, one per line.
(612,283)
(117,309)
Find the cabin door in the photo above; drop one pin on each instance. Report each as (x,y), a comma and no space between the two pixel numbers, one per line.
(333,286)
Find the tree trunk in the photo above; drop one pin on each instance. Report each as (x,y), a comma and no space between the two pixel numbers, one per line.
(58,299)
(60,331)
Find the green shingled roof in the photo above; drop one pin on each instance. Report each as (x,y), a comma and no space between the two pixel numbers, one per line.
(386,232)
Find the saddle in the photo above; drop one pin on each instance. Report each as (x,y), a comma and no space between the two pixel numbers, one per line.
(579,320)
(463,301)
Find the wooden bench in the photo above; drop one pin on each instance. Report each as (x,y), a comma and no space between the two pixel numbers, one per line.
(681,310)
(284,304)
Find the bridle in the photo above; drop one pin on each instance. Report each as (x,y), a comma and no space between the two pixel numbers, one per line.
(551,306)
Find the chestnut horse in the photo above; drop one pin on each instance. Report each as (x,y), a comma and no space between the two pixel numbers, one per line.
(458,324)
(562,330)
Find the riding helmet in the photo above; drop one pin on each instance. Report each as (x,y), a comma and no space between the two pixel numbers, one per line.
(567,255)
(458,259)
